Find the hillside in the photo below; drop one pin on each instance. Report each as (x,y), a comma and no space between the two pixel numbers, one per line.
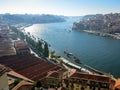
(108,23)
(29,18)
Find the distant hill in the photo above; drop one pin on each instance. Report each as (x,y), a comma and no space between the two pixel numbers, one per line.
(30,18)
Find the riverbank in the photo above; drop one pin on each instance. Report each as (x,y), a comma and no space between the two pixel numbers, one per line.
(104,50)
(67,62)
(116,36)
(64,61)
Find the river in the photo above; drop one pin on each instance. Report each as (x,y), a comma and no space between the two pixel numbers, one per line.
(102,53)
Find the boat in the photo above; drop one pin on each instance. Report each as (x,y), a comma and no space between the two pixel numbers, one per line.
(70,55)
(76,60)
(67,53)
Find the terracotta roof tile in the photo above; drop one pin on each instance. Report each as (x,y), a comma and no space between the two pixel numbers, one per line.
(30,66)
(117,84)
(3,69)
(92,77)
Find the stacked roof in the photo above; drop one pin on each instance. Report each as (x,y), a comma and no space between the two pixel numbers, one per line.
(30,66)
(21,47)
(6,47)
(6,44)
(92,77)
(3,69)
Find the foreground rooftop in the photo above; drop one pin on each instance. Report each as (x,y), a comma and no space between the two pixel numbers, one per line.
(30,66)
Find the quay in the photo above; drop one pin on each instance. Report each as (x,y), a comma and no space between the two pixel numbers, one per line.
(66,62)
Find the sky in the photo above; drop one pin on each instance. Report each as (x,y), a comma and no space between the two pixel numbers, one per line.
(60,7)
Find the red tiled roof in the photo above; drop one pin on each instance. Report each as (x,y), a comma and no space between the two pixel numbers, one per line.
(91,77)
(16,75)
(21,46)
(55,74)
(20,43)
(117,84)
(23,84)
(3,69)
(30,66)
(6,47)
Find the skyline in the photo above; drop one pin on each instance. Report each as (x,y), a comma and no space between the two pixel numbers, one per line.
(60,7)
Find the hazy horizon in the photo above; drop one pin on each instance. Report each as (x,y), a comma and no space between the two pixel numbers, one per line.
(49,14)
(60,7)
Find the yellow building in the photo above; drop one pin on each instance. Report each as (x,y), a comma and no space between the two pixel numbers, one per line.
(82,81)
(54,78)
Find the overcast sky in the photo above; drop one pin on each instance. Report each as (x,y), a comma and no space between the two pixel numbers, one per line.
(60,7)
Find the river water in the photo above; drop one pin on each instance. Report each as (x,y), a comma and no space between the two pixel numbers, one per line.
(102,53)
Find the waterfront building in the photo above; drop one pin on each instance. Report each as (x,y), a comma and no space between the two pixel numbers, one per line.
(82,81)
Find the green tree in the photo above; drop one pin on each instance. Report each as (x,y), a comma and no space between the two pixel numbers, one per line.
(53,54)
(21,35)
(16,81)
(46,50)
(39,46)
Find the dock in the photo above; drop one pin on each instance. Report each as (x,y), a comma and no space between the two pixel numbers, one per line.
(65,61)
